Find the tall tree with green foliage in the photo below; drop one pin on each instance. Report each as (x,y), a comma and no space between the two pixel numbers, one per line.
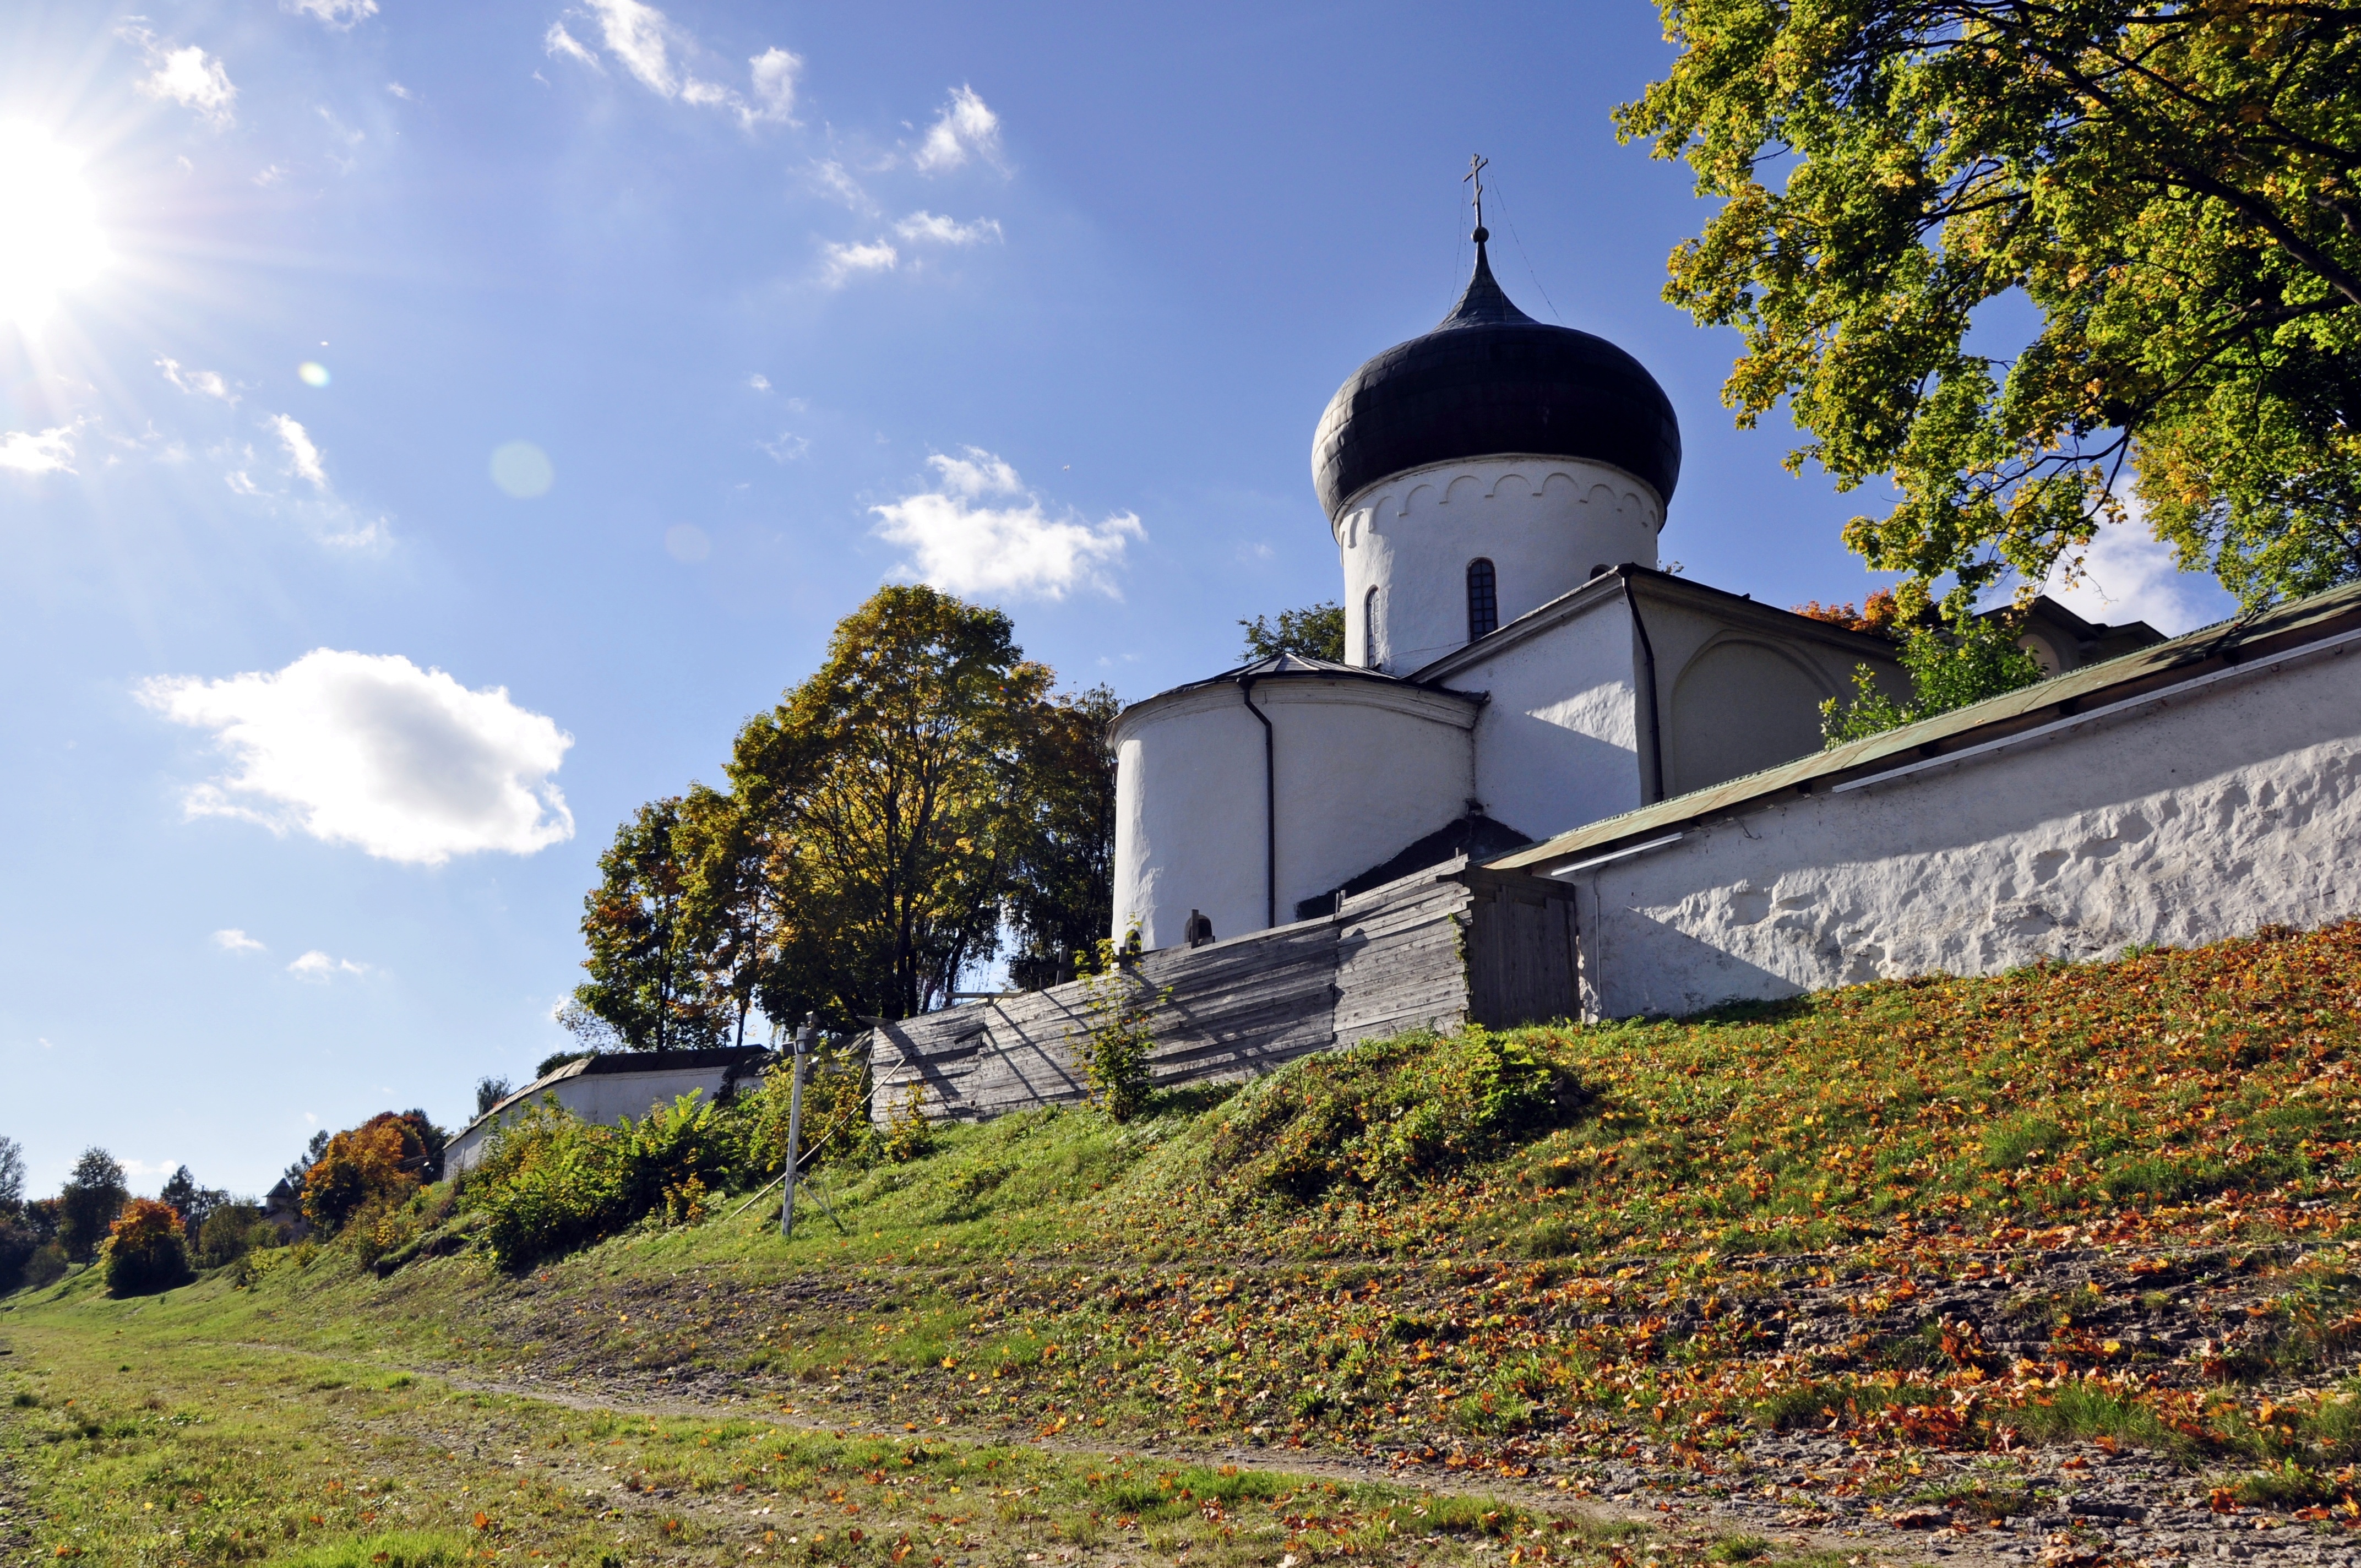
(892,775)
(12,1176)
(2174,185)
(646,979)
(1061,884)
(729,912)
(1316,629)
(93,1195)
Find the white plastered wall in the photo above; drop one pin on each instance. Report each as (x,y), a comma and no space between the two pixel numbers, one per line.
(1363,768)
(1558,743)
(2203,815)
(1741,685)
(1543,522)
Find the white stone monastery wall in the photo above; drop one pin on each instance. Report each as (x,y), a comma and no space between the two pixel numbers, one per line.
(2219,807)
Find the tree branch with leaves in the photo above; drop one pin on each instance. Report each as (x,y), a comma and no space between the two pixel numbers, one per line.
(2172,187)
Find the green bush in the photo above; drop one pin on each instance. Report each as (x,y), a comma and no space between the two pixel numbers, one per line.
(47,1266)
(1390,1113)
(230,1232)
(18,1245)
(836,1116)
(549,1183)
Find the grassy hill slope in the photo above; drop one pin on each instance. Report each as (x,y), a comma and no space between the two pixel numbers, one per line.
(1900,1222)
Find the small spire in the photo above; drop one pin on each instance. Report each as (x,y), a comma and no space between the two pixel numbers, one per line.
(1483,302)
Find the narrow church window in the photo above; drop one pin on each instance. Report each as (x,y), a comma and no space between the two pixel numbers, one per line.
(1370,630)
(1483,602)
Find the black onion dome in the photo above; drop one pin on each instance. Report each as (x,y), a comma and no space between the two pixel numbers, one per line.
(1490,380)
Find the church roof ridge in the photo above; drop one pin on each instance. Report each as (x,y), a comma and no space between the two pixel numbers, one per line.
(2084,693)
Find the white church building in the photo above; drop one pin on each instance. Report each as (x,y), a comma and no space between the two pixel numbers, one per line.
(1517,665)
(1552,782)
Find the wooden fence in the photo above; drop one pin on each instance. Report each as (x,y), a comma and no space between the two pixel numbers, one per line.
(1453,944)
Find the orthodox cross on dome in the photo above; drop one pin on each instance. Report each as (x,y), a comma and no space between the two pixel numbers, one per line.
(1476,163)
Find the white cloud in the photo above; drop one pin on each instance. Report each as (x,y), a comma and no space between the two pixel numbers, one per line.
(964,129)
(189,77)
(371,751)
(399,91)
(635,34)
(645,42)
(832,178)
(788,447)
(2126,575)
(234,941)
(841,262)
(961,542)
(558,41)
(773,72)
(269,175)
(50,452)
(300,453)
(332,519)
(318,966)
(927,228)
(342,14)
(198,383)
(759,381)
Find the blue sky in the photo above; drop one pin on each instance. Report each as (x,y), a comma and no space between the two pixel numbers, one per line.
(318,714)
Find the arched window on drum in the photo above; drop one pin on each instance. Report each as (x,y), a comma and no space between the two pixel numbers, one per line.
(1483,599)
(1370,630)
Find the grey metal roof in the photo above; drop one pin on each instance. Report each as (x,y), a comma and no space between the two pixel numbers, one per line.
(1292,665)
(2163,665)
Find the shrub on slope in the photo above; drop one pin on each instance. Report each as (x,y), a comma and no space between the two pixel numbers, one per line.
(1387,1114)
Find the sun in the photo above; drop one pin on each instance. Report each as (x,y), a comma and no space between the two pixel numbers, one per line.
(50,238)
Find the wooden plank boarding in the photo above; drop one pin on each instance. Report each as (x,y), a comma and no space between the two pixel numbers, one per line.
(1445,947)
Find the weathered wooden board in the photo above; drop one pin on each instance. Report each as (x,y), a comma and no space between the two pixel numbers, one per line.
(1432,950)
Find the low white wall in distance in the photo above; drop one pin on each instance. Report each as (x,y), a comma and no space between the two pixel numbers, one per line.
(599,1098)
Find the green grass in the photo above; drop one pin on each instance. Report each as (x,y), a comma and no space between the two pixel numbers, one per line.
(214,1452)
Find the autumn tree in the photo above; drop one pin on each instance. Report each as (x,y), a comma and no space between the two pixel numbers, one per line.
(2171,186)
(1317,629)
(1060,901)
(383,1161)
(645,980)
(888,781)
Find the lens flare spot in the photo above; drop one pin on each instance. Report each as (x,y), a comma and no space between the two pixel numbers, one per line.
(686,542)
(50,237)
(312,373)
(522,469)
